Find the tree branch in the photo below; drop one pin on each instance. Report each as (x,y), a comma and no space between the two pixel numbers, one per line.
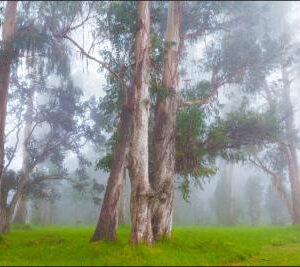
(100,62)
(14,149)
(277,181)
(203,101)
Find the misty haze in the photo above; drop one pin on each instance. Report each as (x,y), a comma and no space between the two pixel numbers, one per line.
(149,133)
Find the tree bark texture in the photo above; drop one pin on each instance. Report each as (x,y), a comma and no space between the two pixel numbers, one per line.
(5,63)
(141,230)
(122,203)
(164,131)
(108,220)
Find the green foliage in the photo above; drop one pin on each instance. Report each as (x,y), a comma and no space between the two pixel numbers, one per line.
(105,163)
(1,14)
(242,128)
(159,90)
(198,246)
(191,162)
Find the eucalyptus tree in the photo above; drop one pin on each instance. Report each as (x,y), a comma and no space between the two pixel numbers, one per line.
(213,18)
(278,58)
(116,107)
(162,217)
(6,56)
(60,107)
(164,129)
(59,124)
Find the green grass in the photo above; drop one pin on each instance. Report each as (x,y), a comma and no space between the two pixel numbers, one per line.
(188,246)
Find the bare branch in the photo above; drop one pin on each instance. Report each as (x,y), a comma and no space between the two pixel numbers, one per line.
(85,20)
(14,149)
(100,62)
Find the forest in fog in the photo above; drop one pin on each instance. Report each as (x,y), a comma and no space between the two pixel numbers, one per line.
(149,115)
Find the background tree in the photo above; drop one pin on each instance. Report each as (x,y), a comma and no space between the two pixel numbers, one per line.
(276,207)
(254,198)
(223,202)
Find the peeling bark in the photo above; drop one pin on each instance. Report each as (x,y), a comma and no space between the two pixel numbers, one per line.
(164,131)
(141,230)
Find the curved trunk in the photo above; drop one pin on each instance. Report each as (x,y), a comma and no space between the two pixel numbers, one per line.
(141,230)
(108,220)
(164,131)
(5,62)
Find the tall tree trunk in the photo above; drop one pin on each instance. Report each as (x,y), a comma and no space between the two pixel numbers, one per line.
(5,63)
(21,212)
(164,131)
(277,180)
(108,221)
(122,207)
(291,152)
(141,230)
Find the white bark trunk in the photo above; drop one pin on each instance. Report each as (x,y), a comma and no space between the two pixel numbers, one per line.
(164,131)
(141,230)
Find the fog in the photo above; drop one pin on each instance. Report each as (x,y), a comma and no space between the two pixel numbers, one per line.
(203,206)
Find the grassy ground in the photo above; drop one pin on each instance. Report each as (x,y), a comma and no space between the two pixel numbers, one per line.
(188,246)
